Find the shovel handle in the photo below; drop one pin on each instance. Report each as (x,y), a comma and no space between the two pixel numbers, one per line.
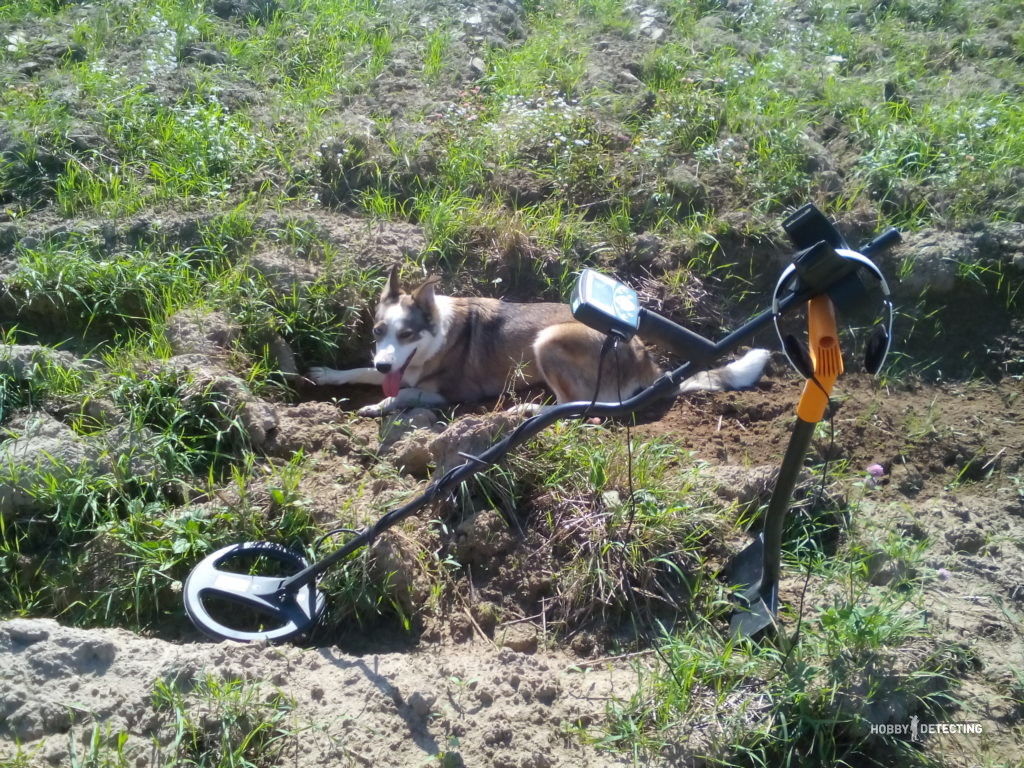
(826,358)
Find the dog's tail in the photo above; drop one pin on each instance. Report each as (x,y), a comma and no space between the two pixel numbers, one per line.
(741,374)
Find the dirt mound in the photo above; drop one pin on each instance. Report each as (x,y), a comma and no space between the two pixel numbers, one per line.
(472,705)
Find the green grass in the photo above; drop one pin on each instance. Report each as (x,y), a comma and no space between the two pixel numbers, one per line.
(745,116)
(436,48)
(805,697)
(246,726)
(126,297)
(752,124)
(210,723)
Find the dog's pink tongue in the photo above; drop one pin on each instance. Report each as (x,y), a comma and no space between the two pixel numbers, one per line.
(392,383)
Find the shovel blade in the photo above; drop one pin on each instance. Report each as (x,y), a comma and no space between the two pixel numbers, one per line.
(757,601)
(746,571)
(753,620)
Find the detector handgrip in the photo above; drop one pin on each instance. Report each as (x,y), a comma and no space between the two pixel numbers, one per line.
(675,338)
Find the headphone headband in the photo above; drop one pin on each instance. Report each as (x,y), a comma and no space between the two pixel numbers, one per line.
(881,338)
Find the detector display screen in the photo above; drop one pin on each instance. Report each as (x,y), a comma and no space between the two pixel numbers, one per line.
(605,304)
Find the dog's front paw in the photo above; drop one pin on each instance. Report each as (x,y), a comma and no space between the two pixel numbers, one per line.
(526,410)
(377,409)
(319,375)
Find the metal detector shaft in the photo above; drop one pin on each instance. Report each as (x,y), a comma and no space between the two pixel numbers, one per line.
(701,353)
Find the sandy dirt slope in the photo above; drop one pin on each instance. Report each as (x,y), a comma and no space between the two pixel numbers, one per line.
(480,705)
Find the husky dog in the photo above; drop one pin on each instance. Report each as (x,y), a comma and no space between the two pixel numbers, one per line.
(434,350)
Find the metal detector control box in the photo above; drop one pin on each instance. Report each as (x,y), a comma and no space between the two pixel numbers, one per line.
(606,305)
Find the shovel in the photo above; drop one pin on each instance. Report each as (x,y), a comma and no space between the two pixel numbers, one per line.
(754,572)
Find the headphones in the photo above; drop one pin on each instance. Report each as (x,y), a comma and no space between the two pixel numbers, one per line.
(877,347)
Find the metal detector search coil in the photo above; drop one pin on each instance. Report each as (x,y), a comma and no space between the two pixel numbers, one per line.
(276,612)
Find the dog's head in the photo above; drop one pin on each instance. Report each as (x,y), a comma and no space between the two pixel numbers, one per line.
(405,323)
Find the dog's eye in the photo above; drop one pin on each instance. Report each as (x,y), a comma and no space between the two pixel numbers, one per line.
(405,333)
(378,331)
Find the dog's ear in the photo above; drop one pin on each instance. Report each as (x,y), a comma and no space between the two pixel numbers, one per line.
(423,295)
(391,288)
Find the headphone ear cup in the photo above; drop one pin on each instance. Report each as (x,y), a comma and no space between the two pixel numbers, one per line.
(797,355)
(875,349)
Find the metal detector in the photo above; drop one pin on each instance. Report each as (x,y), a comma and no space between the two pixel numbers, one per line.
(264,591)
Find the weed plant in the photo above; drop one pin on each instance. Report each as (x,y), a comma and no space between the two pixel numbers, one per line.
(209,722)
(613,558)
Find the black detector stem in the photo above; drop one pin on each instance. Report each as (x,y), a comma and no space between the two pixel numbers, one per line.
(701,352)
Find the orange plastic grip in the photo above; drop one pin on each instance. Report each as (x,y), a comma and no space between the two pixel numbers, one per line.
(826,357)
